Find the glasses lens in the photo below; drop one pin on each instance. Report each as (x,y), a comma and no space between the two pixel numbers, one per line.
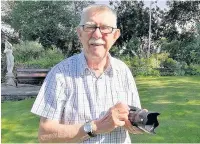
(106,29)
(103,29)
(89,28)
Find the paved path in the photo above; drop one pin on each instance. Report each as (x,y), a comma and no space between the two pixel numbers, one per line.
(18,93)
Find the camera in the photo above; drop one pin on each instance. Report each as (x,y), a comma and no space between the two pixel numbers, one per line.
(144,120)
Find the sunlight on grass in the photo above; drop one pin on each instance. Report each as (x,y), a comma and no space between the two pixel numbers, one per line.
(9,125)
(176,98)
(194,102)
(20,126)
(183,113)
(163,102)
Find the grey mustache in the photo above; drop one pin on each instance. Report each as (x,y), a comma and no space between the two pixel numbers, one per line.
(99,41)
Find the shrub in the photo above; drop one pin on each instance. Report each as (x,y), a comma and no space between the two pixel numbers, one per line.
(31,54)
(50,58)
(3,67)
(143,66)
(159,64)
(27,50)
(171,67)
(192,69)
(145,71)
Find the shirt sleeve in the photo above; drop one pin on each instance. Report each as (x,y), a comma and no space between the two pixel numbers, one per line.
(134,98)
(51,98)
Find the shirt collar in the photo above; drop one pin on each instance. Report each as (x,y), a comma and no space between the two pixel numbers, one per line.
(111,70)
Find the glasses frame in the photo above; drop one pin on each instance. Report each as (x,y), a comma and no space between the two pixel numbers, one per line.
(99,29)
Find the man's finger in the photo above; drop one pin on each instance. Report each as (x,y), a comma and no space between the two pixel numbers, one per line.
(123,117)
(120,123)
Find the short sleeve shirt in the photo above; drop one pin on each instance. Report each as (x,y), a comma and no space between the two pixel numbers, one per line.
(71,93)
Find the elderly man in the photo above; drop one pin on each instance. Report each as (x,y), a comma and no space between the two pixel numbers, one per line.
(85,97)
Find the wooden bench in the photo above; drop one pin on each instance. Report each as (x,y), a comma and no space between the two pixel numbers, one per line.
(30,76)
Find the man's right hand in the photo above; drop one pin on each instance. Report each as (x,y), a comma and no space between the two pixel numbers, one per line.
(115,117)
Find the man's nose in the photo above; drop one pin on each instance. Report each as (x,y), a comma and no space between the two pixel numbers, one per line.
(97,34)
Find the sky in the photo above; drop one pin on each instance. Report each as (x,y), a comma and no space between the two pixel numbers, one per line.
(160,3)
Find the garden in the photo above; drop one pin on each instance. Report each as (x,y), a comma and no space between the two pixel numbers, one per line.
(176,98)
(165,60)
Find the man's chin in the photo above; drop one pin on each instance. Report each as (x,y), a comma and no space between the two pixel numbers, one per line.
(97,56)
(98,53)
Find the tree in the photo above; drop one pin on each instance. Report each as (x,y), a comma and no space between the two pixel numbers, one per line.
(133,21)
(183,11)
(181,19)
(180,29)
(49,22)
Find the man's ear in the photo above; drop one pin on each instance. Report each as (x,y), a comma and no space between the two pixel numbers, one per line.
(78,30)
(116,34)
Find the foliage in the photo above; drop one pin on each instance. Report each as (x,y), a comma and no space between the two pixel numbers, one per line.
(51,22)
(131,16)
(184,50)
(176,98)
(3,67)
(177,25)
(50,58)
(183,11)
(179,21)
(175,31)
(180,28)
(172,47)
(192,69)
(143,66)
(27,50)
(133,21)
(115,51)
(171,67)
(159,65)
(132,48)
(32,54)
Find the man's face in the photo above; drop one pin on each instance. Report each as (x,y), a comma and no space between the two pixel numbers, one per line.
(96,44)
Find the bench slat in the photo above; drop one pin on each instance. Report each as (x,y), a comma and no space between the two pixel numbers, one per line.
(32,75)
(32,70)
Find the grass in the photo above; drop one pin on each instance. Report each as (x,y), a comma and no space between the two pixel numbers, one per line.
(176,98)
(178,101)
(18,125)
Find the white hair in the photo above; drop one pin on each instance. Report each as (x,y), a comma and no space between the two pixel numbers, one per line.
(101,8)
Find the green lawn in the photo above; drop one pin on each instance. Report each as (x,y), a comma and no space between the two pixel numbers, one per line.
(18,125)
(176,98)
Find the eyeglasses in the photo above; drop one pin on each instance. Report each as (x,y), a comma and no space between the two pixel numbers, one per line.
(103,29)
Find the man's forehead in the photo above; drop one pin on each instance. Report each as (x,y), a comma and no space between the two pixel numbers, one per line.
(105,18)
(99,24)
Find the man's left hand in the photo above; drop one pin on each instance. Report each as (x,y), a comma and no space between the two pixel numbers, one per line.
(132,129)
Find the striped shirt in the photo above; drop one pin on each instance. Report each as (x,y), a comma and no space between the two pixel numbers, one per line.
(71,93)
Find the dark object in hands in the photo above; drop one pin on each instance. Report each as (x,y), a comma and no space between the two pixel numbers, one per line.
(146,121)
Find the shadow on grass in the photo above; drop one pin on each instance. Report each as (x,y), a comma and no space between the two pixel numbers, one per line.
(18,124)
(178,101)
(176,98)
(10,136)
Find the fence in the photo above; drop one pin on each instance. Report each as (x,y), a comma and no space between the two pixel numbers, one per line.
(149,71)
